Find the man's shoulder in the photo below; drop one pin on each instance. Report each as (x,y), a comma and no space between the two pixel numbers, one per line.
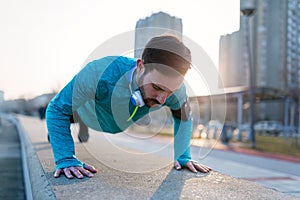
(110,66)
(114,67)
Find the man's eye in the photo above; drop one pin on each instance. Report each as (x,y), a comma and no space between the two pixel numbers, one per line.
(156,87)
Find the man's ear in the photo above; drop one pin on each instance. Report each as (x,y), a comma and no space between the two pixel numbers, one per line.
(140,68)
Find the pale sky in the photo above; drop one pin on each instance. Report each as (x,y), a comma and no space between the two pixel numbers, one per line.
(44,43)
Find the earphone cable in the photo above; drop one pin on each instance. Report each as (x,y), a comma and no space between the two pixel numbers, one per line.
(133,113)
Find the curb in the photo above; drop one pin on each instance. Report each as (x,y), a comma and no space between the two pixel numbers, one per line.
(36,183)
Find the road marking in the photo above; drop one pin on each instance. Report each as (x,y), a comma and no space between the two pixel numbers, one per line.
(269,178)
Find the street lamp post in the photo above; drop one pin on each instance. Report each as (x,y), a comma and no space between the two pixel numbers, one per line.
(247,10)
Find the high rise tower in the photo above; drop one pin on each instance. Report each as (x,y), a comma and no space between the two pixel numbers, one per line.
(157,24)
(275,44)
(275,36)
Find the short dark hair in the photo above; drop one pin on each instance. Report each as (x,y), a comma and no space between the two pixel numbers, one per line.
(167,50)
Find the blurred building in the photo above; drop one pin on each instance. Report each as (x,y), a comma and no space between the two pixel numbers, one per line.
(275,43)
(230,61)
(154,25)
(1,96)
(27,107)
(274,36)
(1,100)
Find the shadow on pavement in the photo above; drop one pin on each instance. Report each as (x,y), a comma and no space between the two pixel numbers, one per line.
(62,180)
(173,184)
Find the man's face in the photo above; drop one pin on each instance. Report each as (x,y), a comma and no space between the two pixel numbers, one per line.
(156,87)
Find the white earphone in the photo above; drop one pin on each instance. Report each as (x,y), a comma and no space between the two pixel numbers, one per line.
(136,96)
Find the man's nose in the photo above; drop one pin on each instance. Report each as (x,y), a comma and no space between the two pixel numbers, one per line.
(161,98)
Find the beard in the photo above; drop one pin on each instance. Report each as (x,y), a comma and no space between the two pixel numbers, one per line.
(149,102)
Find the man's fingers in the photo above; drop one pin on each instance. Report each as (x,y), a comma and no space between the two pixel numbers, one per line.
(57,173)
(90,168)
(191,167)
(78,172)
(202,168)
(67,173)
(177,166)
(85,172)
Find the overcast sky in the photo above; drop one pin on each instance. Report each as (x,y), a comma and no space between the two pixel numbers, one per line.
(44,43)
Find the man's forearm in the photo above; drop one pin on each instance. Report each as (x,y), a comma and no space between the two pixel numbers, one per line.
(182,137)
(61,140)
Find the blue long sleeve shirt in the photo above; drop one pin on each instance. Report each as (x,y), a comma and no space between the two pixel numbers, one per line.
(100,94)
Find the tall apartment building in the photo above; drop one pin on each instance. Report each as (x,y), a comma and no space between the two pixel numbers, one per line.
(154,25)
(273,37)
(232,74)
(275,44)
(293,44)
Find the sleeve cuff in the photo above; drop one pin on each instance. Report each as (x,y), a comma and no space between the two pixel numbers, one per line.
(183,160)
(69,162)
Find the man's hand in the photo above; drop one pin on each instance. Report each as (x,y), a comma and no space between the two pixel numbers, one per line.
(193,167)
(78,172)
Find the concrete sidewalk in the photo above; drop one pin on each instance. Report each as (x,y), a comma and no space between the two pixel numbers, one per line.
(110,183)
